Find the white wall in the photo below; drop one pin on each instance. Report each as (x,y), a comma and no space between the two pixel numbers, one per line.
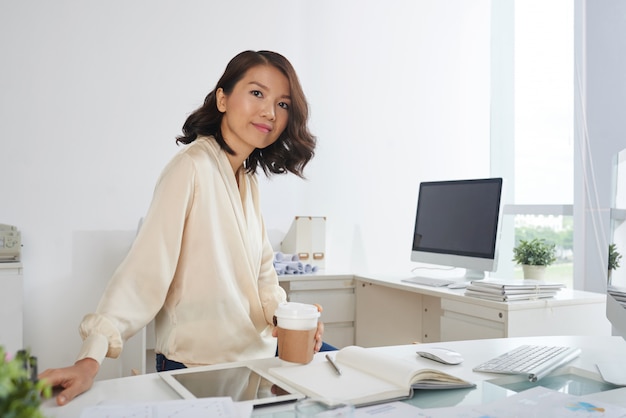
(400,94)
(93,94)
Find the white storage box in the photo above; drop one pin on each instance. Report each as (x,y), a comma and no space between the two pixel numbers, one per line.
(307,239)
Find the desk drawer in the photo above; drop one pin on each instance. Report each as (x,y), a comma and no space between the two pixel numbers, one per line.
(338,305)
(455,327)
(319,284)
(473,310)
(468,321)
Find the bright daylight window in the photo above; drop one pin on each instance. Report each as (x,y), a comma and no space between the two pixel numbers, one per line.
(544,128)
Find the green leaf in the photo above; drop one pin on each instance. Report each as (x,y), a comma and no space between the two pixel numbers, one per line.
(536,252)
(20,397)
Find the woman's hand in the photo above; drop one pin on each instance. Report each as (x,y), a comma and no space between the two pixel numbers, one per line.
(74,379)
(318,334)
(320,330)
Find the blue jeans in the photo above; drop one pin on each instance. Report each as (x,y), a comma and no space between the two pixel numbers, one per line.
(164,364)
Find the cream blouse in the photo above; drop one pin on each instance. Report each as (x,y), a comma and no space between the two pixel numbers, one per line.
(201,263)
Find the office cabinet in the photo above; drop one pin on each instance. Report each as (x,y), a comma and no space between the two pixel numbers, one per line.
(571,313)
(11,307)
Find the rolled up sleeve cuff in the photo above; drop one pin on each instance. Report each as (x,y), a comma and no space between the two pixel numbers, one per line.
(94,346)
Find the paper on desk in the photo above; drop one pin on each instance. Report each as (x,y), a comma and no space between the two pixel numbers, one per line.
(188,408)
(390,410)
(535,402)
(543,402)
(612,372)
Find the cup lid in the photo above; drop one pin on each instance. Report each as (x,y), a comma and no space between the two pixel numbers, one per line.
(295,310)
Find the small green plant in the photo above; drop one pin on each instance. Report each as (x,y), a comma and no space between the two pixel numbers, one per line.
(614,257)
(20,391)
(536,252)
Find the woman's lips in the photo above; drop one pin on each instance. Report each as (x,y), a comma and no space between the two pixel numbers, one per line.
(263,127)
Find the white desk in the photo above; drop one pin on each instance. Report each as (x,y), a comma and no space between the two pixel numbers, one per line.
(149,387)
(359,308)
(431,314)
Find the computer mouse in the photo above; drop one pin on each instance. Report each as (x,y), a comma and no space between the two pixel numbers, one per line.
(458,285)
(442,355)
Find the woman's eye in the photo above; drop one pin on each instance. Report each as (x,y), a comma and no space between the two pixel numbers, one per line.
(284,105)
(256,93)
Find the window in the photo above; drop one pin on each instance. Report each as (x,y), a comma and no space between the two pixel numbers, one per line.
(544,102)
(533,90)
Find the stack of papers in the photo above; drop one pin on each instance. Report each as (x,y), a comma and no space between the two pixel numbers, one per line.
(619,293)
(222,407)
(509,290)
(535,402)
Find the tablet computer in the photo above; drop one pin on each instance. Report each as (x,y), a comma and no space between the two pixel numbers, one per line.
(240,382)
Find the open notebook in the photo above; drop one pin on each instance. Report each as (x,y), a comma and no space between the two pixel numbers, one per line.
(367,377)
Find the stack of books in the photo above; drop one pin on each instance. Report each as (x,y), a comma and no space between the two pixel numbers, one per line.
(509,290)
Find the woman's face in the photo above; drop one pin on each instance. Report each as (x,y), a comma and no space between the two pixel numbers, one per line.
(257,110)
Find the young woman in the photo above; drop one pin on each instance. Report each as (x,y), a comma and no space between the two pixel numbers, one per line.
(201,263)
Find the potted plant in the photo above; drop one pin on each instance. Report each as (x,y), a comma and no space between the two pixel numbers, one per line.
(534,256)
(614,259)
(20,391)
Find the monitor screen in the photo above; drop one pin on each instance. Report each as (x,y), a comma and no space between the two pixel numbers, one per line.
(616,291)
(457,224)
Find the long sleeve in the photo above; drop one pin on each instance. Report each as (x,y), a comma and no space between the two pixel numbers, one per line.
(201,265)
(139,286)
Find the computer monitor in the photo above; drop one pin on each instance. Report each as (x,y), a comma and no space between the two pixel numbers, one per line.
(616,314)
(457,224)
(616,292)
(616,295)
(615,371)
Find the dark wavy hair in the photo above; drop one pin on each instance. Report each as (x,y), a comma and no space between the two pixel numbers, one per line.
(295,146)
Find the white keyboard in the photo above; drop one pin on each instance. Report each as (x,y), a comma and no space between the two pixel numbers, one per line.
(535,361)
(429,281)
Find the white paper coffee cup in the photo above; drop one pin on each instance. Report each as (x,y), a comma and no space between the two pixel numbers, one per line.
(296,329)
(298,316)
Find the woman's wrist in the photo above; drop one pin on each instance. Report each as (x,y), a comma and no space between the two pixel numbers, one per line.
(89,365)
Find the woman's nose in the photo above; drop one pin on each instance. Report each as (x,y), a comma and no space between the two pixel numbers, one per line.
(269,112)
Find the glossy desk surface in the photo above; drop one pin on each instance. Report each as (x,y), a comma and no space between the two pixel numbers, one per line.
(149,387)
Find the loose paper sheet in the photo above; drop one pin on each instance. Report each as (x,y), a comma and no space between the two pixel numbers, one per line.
(188,408)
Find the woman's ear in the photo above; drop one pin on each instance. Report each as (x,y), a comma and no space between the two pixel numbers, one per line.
(220,99)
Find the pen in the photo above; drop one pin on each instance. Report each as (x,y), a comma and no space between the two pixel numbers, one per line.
(332,363)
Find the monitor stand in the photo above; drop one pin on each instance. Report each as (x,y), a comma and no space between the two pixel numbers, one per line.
(474,275)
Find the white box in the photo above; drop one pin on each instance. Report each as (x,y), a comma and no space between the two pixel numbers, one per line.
(307,238)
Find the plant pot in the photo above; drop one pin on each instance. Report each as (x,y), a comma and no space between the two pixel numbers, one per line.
(533,272)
